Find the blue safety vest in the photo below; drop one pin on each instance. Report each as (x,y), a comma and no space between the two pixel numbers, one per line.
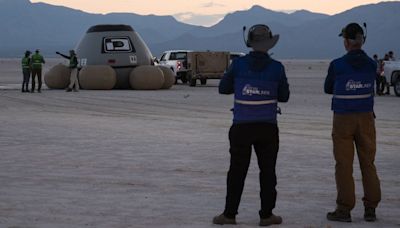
(353,89)
(256,93)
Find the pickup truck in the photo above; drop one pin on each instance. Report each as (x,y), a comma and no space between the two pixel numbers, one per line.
(391,71)
(205,65)
(234,55)
(176,60)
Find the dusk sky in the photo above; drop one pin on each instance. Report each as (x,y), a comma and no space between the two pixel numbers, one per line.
(204,12)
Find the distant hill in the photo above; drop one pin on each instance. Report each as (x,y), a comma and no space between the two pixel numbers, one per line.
(316,37)
(38,25)
(304,34)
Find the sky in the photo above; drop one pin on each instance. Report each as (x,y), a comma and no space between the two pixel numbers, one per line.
(204,12)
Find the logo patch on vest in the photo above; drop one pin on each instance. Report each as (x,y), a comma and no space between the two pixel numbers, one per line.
(248,90)
(354,85)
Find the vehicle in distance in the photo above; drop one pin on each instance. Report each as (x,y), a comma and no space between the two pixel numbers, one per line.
(205,65)
(391,71)
(234,55)
(176,60)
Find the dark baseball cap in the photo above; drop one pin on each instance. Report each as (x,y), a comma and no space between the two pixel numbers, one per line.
(351,31)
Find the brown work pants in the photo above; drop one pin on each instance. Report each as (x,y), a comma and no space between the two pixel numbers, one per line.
(349,130)
(73,78)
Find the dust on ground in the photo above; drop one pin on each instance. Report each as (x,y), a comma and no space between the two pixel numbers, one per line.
(126,158)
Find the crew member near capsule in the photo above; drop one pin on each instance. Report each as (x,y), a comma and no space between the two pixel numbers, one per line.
(26,71)
(258,83)
(351,81)
(37,61)
(73,65)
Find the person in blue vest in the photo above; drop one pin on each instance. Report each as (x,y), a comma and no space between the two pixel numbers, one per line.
(351,81)
(258,83)
(26,71)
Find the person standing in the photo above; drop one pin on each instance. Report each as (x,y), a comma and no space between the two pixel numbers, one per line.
(385,83)
(37,61)
(351,81)
(258,83)
(376,59)
(379,78)
(391,56)
(73,65)
(26,71)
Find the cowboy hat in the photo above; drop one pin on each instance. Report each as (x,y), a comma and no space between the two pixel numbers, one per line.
(260,37)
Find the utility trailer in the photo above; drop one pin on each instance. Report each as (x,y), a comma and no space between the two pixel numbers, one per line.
(205,65)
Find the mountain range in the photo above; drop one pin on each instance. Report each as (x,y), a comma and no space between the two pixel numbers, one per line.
(303,34)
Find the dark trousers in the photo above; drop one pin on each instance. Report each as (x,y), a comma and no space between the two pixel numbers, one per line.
(378,84)
(25,82)
(38,73)
(265,140)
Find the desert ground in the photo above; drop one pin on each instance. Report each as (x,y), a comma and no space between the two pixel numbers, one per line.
(126,158)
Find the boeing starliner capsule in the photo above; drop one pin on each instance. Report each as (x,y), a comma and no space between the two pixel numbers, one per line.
(113,56)
(118,46)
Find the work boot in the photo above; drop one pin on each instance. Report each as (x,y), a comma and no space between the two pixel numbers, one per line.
(273,219)
(369,214)
(339,215)
(68,90)
(75,90)
(222,219)
(32,90)
(39,91)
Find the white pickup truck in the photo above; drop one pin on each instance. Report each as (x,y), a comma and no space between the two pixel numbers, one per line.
(392,74)
(176,60)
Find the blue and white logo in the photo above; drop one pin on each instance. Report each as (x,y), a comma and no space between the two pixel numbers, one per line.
(354,85)
(248,90)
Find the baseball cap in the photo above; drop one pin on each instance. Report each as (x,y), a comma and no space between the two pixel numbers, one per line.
(351,31)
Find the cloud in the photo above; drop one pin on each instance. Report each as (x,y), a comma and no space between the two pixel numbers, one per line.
(287,11)
(199,19)
(211,4)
